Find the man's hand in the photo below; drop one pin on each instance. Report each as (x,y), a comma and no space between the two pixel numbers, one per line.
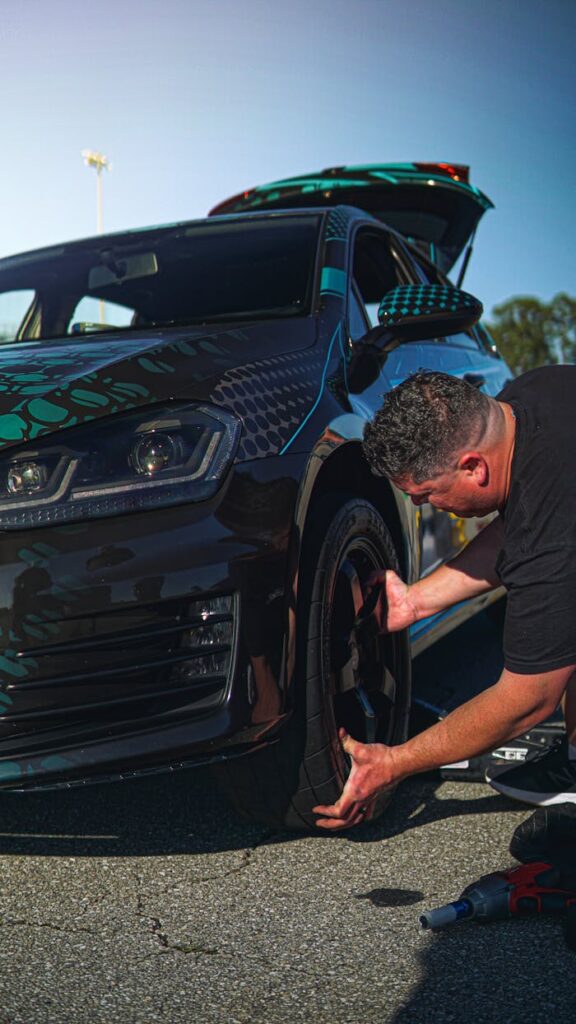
(395,608)
(372,772)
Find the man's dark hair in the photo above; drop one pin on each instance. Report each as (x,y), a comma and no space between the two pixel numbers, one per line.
(422,425)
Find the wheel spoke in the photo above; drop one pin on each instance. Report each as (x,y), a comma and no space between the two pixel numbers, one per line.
(350,572)
(370,720)
(347,676)
(349,589)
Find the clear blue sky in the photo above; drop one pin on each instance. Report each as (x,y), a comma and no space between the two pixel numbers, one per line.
(194,100)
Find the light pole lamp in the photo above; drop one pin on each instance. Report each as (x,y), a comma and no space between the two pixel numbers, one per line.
(98,161)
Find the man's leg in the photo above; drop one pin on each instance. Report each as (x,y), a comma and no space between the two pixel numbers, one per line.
(548,778)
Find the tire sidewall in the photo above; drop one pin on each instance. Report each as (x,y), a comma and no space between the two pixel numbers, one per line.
(335,525)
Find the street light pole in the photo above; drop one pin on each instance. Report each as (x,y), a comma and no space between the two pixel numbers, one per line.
(98,161)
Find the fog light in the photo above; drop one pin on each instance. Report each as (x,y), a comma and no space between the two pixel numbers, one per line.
(211,627)
(208,635)
(210,664)
(204,665)
(211,606)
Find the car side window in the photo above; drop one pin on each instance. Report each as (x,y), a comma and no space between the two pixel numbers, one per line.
(467,339)
(16,308)
(486,340)
(358,323)
(377,268)
(92,313)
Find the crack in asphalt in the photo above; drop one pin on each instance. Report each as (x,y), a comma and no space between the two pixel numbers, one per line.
(11,921)
(157,931)
(155,926)
(178,947)
(246,859)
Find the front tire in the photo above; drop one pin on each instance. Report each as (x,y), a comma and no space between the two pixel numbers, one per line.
(345,542)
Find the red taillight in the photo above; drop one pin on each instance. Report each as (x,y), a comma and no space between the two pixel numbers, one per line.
(458,172)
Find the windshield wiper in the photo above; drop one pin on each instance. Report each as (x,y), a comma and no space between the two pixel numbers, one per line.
(244,314)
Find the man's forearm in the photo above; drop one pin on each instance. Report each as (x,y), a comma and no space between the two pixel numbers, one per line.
(471,573)
(500,713)
(507,709)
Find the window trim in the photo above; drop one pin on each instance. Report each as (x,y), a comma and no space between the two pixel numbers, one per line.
(398,253)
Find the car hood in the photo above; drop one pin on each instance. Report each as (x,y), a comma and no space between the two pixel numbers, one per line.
(434,205)
(53,385)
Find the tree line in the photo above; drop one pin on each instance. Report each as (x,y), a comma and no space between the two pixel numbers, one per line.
(531,333)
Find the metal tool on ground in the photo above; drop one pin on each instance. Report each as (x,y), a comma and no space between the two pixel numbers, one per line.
(524,891)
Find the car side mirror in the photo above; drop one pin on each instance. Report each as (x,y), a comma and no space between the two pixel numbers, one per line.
(410,312)
(413,312)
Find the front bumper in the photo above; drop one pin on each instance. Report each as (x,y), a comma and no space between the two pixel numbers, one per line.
(145,641)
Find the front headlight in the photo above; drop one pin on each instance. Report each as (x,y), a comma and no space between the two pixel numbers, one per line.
(126,464)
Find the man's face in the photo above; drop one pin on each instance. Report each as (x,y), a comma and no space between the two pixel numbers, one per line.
(458,491)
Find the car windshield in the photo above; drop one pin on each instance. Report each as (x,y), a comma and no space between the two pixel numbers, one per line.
(197,273)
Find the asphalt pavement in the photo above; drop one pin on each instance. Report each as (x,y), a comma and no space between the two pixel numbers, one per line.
(151,901)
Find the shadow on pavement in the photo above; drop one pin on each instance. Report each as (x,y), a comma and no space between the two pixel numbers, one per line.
(416,804)
(167,814)
(184,812)
(512,971)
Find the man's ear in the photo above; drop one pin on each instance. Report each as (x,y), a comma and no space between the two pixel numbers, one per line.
(475,466)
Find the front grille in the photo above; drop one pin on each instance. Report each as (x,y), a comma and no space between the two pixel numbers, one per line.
(123,665)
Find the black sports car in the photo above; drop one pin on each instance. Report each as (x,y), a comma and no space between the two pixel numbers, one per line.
(186,517)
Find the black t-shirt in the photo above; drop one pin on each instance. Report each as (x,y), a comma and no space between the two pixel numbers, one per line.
(537,563)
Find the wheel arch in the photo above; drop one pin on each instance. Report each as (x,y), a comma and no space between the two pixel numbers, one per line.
(344,471)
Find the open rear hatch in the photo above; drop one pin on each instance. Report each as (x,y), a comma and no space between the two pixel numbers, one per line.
(434,205)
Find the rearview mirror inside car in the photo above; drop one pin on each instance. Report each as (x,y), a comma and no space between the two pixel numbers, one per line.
(115,268)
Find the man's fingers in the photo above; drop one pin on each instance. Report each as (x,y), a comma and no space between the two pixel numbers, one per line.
(341,809)
(339,815)
(340,823)
(395,587)
(344,806)
(336,818)
(347,743)
(350,746)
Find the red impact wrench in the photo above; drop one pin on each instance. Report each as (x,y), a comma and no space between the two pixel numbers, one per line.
(524,891)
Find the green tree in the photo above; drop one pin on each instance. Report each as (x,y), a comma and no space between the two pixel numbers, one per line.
(521,330)
(530,333)
(563,326)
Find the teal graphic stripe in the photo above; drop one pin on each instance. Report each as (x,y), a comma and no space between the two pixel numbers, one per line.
(333,281)
(337,334)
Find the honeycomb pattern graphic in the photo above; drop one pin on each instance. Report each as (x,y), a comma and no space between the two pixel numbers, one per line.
(337,228)
(415,300)
(271,397)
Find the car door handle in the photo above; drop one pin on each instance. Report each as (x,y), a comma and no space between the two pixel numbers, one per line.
(476,379)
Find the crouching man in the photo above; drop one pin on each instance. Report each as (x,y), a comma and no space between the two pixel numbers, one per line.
(442,441)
